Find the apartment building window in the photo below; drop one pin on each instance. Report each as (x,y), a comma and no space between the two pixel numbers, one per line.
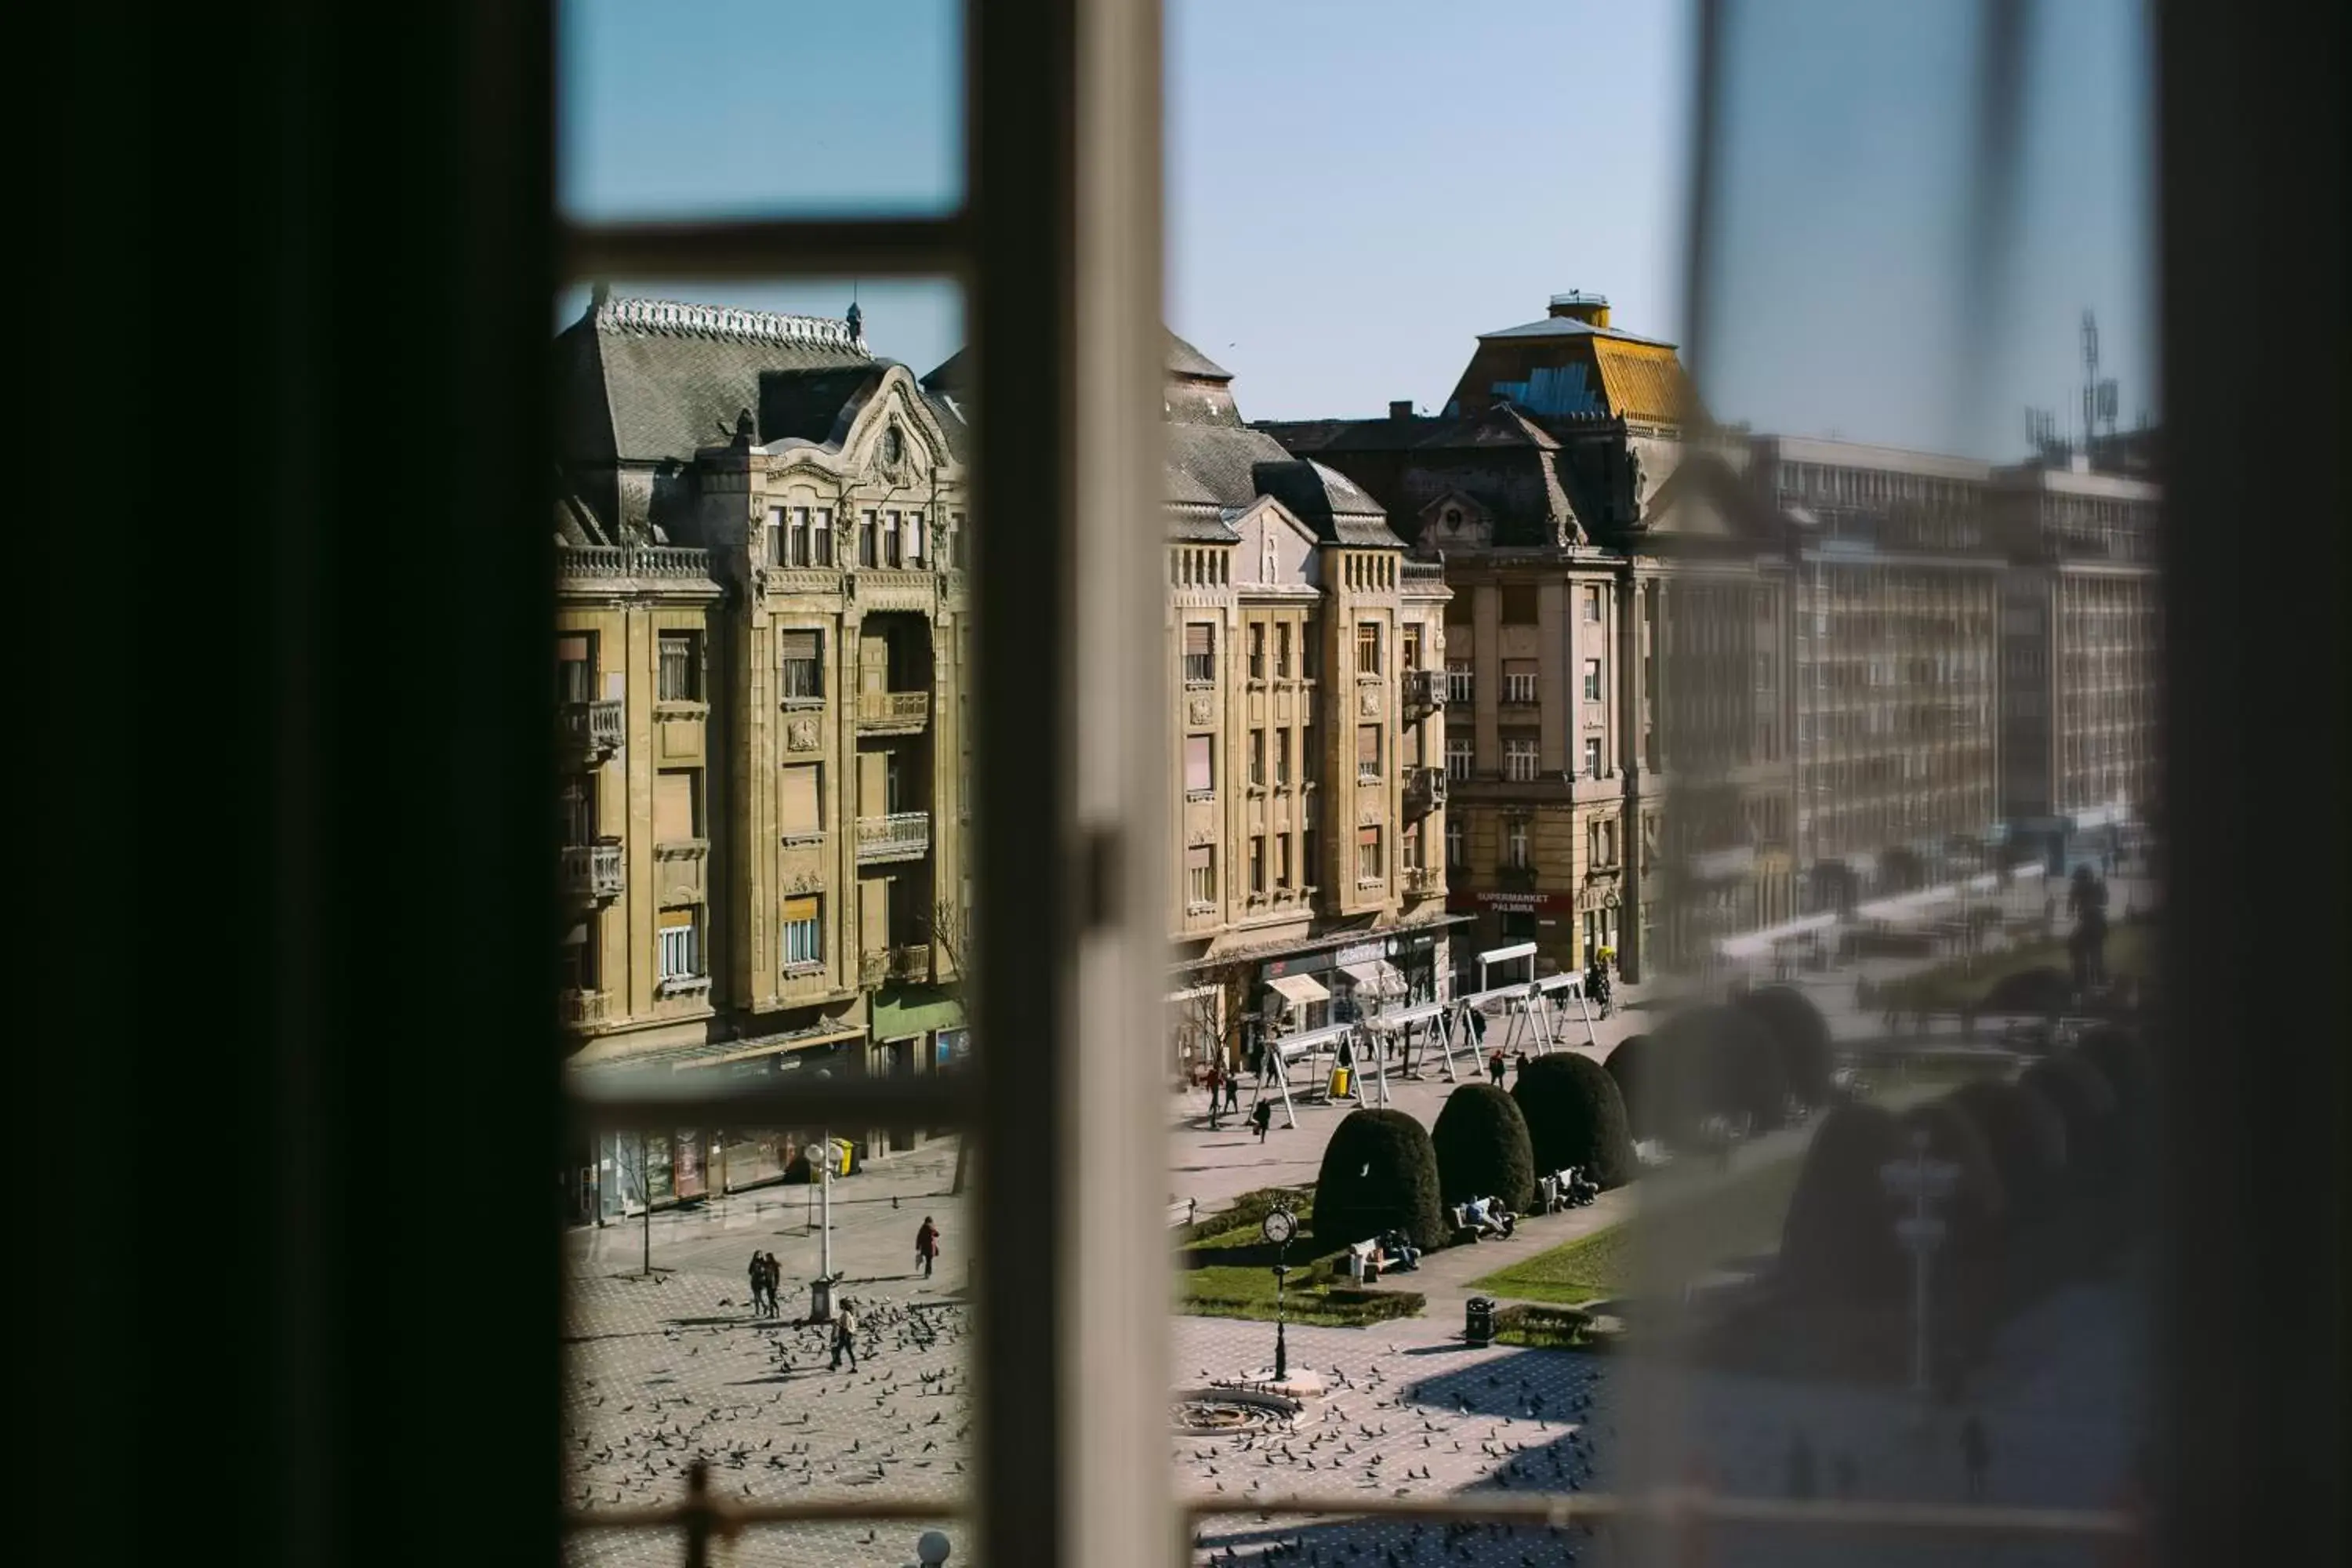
(1281,860)
(1310,654)
(1282,651)
(1199,766)
(1257,866)
(1409,649)
(1592,756)
(779,553)
(1257,650)
(575,669)
(1367,647)
(680,934)
(1457,682)
(1367,855)
(1368,752)
(1459,755)
(1281,759)
(869,546)
(1310,759)
(1763,672)
(1200,876)
(681,668)
(1519,758)
(892,546)
(1408,848)
(575,809)
(800,681)
(1592,606)
(1257,758)
(800,804)
(1515,844)
(1600,844)
(677,806)
(820,537)
(803,933)
(1199,653)
(914,540)
(1457,840)
(1593,681)
(1520,680)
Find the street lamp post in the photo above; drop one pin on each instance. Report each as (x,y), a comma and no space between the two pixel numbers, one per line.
(1924,1182)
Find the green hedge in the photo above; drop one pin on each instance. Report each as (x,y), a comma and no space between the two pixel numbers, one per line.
(1575,1116)
(1629,1067)
(1483,1147)
(1378,1173)
(2086,1103)
(1837,1244)
(1802,1036)
(2028,1142)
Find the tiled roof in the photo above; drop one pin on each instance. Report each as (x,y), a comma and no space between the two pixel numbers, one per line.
(1183,359)
(663,378)
(1231,466)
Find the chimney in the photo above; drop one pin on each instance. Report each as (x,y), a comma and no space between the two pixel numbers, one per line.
(1400,408)
(1576,305)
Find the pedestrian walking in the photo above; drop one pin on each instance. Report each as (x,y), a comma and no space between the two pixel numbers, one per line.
(759,1276)
(1519,1063)
(927,1245)
(1261,1117)
(1216,1094)
(1976,1456)
(1234,1093)
(844,1336)
(1494,1067)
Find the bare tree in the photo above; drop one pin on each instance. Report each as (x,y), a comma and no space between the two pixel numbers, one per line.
(1215,1003)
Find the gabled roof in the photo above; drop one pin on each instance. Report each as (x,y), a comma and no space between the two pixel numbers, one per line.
(1231,466)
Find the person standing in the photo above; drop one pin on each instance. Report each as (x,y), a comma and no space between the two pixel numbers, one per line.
(1519,1063)
(1261,1117)
(1216,1094)
(1494,1067)
(927,1245)
(1976,1456)
(1234,1093)
(759,1278)
(844,1336)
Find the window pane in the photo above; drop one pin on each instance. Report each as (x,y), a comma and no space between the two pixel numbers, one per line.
(728,107)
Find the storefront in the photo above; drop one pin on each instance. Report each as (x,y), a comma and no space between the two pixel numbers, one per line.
(903,1030)
(1550,921)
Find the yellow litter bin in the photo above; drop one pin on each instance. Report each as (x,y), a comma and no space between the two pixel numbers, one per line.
(1340,1078)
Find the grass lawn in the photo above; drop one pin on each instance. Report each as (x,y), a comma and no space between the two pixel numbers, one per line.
(1949,987)
(1318,1290)
(1738,1217)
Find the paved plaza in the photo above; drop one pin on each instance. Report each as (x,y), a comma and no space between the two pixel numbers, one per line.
(666,1371)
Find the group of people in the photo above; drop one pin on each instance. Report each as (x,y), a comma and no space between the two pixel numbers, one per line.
(766,1274)
(1495,1063)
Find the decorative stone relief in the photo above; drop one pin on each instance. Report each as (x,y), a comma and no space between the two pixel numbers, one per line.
(1199,711)
(799,735)
(1201,836)
(804,883)
(1367,816)
(1368,703)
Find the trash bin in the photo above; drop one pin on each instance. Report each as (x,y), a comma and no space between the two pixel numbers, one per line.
(820,1301)
(1478,1321)
(1551,1190)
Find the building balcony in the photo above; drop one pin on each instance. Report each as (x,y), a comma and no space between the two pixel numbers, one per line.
(589,731)
(592,872)
(1420,880)
(1425,790)
(893,712)
(580,1009)
(1424,691)
(901,835)
(881,966)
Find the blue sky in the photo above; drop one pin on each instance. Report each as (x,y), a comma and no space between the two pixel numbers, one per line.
(1356,188)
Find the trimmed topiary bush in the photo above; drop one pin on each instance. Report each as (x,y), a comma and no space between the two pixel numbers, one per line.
(1483,1147)
(1838,1245)
(1978,1208)
(1379,1174)
(1628,1067)
(2124,1062)
(1713,1061)
(1575,1116)
(1802,1036)
(2027,1140)
(1749,1068)
(2086,1104)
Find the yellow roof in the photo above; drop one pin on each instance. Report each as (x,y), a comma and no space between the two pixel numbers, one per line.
(1644,382)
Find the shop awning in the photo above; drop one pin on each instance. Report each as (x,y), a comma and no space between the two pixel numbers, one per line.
(1375,977)
(1299,990)
(621,1063)
(914,1010)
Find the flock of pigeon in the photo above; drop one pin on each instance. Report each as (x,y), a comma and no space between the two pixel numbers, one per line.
(663,1376)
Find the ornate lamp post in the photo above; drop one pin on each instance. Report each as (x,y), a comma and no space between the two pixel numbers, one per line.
(1279,1226)
(1924,1182)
